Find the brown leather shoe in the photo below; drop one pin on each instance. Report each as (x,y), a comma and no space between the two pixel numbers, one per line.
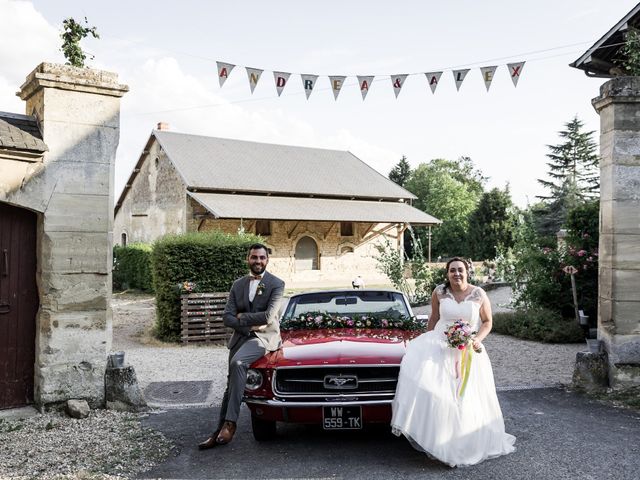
(226,432)
(209,442)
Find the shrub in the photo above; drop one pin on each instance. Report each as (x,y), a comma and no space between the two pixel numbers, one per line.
(132,267)
(211,260)
(539,324)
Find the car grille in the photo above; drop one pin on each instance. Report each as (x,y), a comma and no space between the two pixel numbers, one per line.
(336,380)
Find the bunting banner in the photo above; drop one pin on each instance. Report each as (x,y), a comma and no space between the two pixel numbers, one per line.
(487,75)
(281,79)
(433,78)
(336,84)
(308,82)
(365,81)
(254,77)
(397,81)
(224,69)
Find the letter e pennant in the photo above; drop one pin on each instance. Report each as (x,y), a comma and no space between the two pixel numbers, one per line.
(336,84)
(487,75)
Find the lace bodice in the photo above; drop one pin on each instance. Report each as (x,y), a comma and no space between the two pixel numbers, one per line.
(468,309)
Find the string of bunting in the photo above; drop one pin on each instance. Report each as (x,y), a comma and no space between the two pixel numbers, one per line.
(309,81)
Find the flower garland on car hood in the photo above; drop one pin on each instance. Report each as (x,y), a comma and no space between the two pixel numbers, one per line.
(318,320)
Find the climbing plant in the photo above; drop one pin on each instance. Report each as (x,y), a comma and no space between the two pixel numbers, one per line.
(71,35)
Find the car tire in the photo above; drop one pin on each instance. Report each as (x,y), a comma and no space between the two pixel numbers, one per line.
(263,430)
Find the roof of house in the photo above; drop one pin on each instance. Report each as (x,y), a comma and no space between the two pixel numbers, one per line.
(219,164)
(599,59)
(20,132)
(272,207)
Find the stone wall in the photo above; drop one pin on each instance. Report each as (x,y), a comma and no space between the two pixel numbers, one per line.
(619,250)
(155,203)
(79,114)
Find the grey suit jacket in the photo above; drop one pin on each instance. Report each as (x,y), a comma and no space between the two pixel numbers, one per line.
(262,311)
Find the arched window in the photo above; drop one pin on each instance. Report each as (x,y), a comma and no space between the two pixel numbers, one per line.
(123,240)
(306,254)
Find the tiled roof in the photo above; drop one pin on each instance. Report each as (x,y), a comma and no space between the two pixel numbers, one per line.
(20,132)
(209,163)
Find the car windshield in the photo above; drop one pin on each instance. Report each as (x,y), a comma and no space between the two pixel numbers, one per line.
(390,304)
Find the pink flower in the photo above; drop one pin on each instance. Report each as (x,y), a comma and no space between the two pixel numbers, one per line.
(384,323)
(461,347)
(582,253)
(350,323)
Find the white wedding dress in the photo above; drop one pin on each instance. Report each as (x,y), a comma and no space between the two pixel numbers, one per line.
(427,408)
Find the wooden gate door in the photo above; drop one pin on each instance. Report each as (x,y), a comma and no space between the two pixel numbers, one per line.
(18,305)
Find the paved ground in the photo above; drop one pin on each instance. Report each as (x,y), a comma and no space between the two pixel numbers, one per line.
(560,435)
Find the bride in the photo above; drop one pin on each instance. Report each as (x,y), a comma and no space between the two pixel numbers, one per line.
(458,426)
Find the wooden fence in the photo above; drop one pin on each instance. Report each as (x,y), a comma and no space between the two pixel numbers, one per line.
(201,317)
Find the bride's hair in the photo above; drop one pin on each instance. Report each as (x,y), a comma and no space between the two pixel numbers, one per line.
(447,283)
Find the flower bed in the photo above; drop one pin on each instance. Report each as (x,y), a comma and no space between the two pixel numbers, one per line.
(319,320)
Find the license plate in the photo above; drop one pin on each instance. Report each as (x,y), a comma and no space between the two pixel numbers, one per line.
(342,418)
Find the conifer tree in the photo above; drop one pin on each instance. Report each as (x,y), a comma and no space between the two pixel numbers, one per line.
(401,172)
(491,224)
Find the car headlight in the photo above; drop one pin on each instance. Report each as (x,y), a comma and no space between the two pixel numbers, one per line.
(254,379)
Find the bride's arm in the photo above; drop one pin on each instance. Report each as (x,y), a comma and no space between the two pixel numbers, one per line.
(487,321)
(435,312)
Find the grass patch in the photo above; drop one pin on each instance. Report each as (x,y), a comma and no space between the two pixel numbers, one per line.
(538,324)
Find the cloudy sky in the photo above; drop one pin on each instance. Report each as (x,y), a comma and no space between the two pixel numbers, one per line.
(166,53)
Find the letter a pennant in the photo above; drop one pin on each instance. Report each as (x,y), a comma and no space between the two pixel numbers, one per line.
(458,76)
(224,69)
(254,77)
(487,75)
(515,69)
(336,84)
(433,78)
(364,82)
(397,81)
(308,82)
(281,80)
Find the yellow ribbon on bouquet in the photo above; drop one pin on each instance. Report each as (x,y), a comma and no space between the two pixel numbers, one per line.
(465,368)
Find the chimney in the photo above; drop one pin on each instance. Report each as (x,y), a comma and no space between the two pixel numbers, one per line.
(163,126)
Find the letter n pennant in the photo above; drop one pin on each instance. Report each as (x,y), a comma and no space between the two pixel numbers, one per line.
(515,69)
(224,69)
(364,82)
(254,77)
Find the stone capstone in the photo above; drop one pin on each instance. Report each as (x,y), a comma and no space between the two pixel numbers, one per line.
(122,391)
(591,372)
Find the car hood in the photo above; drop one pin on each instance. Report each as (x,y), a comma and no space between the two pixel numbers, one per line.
(340,347)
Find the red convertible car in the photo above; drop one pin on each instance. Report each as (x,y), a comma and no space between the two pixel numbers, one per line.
(339,362)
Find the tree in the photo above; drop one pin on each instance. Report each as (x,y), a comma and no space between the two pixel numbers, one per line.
(401,172)
(574,175)
(72,34)
(491,225)
(448,190)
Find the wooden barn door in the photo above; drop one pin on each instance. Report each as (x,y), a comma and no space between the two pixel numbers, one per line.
(18,305)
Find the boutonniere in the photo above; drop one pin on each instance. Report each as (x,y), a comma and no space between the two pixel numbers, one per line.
(260,289)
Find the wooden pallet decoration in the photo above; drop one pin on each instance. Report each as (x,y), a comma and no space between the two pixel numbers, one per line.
(201,318)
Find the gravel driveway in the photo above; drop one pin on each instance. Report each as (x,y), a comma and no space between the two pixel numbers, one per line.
(516,363)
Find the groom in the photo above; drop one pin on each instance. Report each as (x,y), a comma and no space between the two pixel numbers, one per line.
(252,312)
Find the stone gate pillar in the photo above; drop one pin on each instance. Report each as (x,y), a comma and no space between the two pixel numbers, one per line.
(78,111)
(619,276)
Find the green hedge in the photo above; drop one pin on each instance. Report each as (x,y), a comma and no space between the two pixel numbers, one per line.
(538,324)
(132,267)
(212,260)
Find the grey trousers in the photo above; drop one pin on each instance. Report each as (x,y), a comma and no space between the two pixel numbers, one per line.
(243,354)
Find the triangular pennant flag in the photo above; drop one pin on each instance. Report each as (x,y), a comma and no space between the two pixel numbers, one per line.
(487,75)
(308,82)
(397,81)
(224,69)
(281,80)
(458,76)
(433,78)
(364,82)
(336,84)
(515,69)
(254,77)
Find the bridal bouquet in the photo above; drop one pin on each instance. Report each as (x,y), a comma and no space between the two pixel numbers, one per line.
(460,336)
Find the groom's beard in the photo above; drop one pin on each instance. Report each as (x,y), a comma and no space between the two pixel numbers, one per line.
(257,269)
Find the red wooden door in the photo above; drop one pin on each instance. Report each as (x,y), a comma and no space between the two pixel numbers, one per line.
(18,305)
